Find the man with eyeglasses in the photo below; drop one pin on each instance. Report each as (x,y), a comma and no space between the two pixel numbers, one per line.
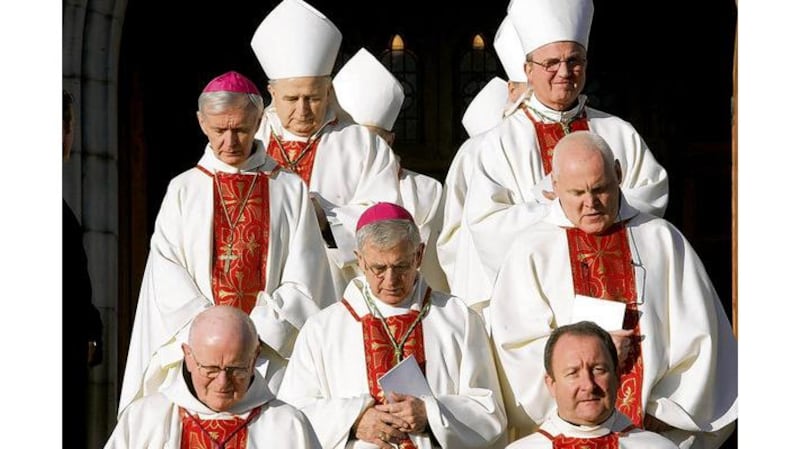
(510,187)
(595,256)
(388,316)
(220,400)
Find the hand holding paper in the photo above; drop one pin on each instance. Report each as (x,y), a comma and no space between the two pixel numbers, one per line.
(405,378)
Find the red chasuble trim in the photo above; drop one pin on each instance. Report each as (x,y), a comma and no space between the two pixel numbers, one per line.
(214,433)
(548,135)
(610,441)
(602,268)
(298,158)
(239,267)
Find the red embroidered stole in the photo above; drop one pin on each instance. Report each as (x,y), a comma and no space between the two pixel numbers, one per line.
(602,268)
(380,353)
(246,276)
(548,135)
(298,161)
(214,433)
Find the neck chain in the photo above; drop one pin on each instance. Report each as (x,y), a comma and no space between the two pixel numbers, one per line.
(564,122)
(221,444)
(397,346)
(229,256)
(292,164)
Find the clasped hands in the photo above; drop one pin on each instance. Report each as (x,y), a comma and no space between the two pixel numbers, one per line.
(390,423)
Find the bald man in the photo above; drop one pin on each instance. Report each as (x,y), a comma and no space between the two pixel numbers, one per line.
(594,254)
(219,401)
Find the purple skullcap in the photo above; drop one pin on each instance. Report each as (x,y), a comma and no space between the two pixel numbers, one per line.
(382,212)
(232,82)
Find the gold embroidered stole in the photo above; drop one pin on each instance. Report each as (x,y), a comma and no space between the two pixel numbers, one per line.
(299,157)
(239,271)
(214,433)
(548,135)
(379,352)
(602,268)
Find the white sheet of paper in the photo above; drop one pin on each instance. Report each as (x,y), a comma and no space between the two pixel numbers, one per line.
(607,314)
(405,378)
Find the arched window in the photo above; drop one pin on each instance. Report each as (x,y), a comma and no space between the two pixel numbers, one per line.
(476,66)
(404,66)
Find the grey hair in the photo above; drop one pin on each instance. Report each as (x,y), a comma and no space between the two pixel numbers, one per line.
(388,234)
(589,140)
(216,102)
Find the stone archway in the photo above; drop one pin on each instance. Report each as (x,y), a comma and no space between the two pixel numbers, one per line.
(91,36)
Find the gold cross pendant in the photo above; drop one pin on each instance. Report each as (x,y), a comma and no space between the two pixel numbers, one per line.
(228,257)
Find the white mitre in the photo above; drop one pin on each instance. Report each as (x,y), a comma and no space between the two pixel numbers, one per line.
(509,50)
(368,92)
(485,111)
(541,22)
(296,40)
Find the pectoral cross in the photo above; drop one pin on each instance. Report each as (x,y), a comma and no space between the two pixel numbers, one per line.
(228,257)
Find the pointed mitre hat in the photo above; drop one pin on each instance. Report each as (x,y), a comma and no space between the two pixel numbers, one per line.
(509,50)
(541,22)
(368,92)
(485,111)
(283,53)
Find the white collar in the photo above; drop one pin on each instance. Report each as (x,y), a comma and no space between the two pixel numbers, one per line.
(551,114)
(615,423)
(257,394)
(258,161)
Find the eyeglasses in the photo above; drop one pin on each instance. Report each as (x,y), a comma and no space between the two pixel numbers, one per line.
(552,65)
(211,372)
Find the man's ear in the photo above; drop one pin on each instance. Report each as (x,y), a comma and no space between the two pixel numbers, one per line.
(618,170)
(186,351)
(550,382)
(420,254)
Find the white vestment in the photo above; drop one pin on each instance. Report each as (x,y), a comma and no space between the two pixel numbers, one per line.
(177,283)
(457,253)
(353,169)
(327,374)
(617,422)
(422,196)
(505,193)
(154,421)
(688,350)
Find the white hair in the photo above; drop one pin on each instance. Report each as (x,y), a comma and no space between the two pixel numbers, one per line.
(388,234)
(216,102)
